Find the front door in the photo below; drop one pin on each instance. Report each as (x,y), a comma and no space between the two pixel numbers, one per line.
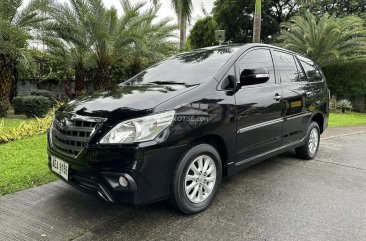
(259,108)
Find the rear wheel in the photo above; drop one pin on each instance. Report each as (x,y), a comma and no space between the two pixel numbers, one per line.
(311,146)
(196,179)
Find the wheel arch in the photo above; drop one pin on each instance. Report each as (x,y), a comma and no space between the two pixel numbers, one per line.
(219,144)
(319,119)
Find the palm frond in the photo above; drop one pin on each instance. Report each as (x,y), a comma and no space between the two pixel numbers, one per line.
(326,38)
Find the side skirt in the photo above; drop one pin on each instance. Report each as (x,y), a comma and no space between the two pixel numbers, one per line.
(237,167)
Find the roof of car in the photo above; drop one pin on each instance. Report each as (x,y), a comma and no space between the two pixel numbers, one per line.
(244,47)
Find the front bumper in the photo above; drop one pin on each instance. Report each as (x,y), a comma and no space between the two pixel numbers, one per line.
(147,168)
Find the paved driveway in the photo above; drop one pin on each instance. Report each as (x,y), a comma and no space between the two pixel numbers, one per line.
(282,198)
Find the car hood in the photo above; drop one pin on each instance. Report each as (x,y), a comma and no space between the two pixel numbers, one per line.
(124,102)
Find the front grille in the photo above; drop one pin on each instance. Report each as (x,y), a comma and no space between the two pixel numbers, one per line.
(70,135)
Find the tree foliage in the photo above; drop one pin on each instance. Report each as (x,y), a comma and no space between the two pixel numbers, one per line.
(16,23)
(346,78)
(93,38)
(339,8)
(183,9)
(203,33)
(325,39)
(236,17)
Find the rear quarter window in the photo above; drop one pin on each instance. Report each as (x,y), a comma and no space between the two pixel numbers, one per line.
(312,71)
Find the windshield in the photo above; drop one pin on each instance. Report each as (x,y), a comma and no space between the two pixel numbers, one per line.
(188,68)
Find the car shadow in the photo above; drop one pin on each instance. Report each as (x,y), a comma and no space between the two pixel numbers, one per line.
(119,221)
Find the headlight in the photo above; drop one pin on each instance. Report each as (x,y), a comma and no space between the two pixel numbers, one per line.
(140,129)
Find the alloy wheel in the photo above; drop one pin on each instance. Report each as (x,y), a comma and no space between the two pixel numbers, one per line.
(200,179)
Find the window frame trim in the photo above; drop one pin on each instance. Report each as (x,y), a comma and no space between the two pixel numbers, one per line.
(294,56)
(315,66)
(237,69)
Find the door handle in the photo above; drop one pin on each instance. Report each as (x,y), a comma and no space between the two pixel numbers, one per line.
(277,97)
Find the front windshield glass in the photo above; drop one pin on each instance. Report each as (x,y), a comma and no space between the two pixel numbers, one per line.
(187,68)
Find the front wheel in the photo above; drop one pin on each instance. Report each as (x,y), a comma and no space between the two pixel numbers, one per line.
(309,150)
(196,179)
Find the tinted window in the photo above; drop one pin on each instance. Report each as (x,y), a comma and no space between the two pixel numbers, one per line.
(188,68)
(312,72)
(302,76)
(286,67)
(259,58)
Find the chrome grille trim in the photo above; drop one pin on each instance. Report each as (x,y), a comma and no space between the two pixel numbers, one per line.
(71,133)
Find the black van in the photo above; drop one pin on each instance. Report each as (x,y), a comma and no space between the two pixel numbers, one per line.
(175,129)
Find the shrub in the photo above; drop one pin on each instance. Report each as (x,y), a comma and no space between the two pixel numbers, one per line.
(44,93)
(34,105)
(333,103)
(3,109)
(32,128)
(344,105)
(18,105)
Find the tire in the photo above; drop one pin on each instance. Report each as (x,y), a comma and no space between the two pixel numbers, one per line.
(308,151)
(188,191)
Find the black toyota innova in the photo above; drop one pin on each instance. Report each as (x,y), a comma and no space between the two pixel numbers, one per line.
(175,129)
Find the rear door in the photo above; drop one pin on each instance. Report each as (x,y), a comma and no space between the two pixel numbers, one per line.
(313,85)
(295,88)
(259,121)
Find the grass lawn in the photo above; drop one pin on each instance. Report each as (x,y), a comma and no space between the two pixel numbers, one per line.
(347,119)
(23,164)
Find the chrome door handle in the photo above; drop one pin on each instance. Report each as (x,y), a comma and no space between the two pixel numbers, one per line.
(277,97)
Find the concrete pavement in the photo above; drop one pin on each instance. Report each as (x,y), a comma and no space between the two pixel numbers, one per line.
(282,198)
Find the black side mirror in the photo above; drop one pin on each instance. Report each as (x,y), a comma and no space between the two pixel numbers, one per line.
(254,76)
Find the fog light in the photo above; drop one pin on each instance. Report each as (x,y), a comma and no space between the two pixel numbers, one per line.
(123,181)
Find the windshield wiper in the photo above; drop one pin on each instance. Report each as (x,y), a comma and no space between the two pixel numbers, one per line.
(166,83)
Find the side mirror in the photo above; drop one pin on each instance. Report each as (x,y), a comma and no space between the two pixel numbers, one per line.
(254,76)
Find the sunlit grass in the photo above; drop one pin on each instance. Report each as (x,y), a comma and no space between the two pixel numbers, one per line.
(23,164)
(347,119)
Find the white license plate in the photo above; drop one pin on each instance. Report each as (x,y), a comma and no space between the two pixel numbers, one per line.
(60,167)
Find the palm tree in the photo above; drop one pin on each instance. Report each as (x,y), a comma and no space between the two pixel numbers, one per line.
(16,23)
(325,39)
(69,40)
(96,33)
(74,58)
(257,22)
(183,9)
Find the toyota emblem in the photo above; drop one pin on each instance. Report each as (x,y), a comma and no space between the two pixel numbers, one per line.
(63,122)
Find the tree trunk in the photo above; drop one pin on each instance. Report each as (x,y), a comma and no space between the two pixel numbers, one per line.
(6,80)
(183,32)
(80,76)
(257,22)
(101,79)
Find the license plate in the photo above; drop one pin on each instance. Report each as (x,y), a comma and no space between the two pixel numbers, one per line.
(60,167)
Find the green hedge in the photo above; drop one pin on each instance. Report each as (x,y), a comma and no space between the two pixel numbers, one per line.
(44,93)
(348,78)
(31,106)
(18,105)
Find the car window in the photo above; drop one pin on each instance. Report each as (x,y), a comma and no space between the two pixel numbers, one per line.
(286,67)
(302,76)
(187,68)
(312,72)
(258,58)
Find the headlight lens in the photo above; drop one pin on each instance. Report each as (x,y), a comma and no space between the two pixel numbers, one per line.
(138,130)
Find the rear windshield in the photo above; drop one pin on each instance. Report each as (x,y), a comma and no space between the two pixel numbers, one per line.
(188,68)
